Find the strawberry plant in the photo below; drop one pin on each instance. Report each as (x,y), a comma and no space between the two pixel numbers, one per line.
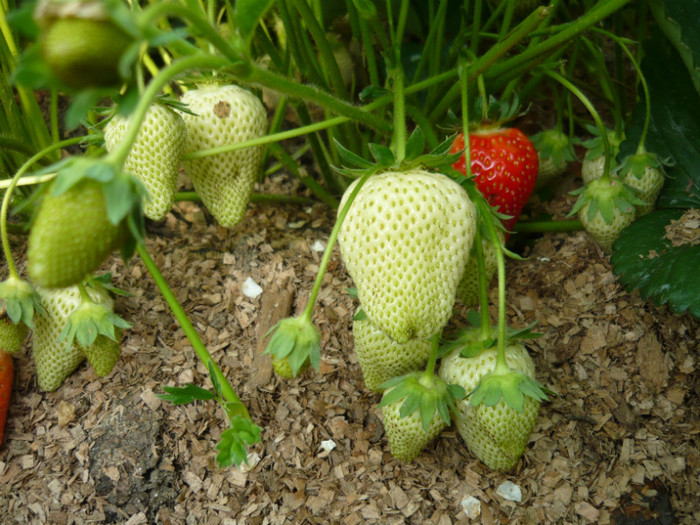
(162,86)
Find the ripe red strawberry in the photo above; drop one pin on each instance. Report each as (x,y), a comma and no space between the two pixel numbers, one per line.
(6,376)
(504,164)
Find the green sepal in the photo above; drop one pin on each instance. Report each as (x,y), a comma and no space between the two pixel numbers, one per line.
(594,145)
(603,196)
(88,321)
(427,394)
(511,387)
(20,301)
(638,162)
(471,340)
(188,394)
(235,440)
(554,144)
(298,340)
(360,315)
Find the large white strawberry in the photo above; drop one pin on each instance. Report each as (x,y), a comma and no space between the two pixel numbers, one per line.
(224,115)
(381,358)
(497,434)
(405,242)
(155,155)
(55,360)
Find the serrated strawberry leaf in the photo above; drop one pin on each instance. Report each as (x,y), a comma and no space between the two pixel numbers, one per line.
(235,440)
(187,394)
(646,257)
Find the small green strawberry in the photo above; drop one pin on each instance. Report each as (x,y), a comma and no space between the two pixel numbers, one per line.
(294,345)
(224,115)
(594,160)
(12,335)
(80,43)
(554,151)
(415,409)
(103,354)
(644,172)
(496,433)
(71,235)
(605,207)
(155,156)
(405,242)
(381,358)
(468,289)
(56,358)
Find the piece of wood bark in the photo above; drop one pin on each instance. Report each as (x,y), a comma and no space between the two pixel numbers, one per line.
(277,304)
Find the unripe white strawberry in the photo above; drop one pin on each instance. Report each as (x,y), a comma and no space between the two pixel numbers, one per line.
(54,360)
(594,160)
(382,358)
(644,172)
(554,151)
(497,434)
(605,208)
(155,156)
(405,242)
(224,115)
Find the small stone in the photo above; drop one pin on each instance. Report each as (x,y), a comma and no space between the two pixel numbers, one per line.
(318,246)
(251,289)
(510,491)
(472,507)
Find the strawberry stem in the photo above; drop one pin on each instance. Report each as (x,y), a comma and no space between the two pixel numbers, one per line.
(331,243)
(434,348)
(226,389)
(645,88)
(118,156)
(11,266)
(596,117)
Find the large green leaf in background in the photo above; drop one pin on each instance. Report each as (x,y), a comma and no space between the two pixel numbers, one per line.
(643,258)
(679,20)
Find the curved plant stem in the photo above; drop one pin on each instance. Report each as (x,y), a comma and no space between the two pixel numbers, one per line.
(11,266)
(434,350)
(331,243)
(118,156)
(548,226)
(226,389)
(594,113)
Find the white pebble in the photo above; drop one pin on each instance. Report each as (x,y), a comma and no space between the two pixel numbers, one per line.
(510,491)
(472,507)
(251,289)
(328,445)
(318,246)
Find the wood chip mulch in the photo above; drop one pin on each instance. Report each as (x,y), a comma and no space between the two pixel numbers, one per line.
(619,443)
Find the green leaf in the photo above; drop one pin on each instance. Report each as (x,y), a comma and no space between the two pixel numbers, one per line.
(678,20)
(350,158)
(383,155)
(675,123)
(234,442)
(646,259)
(187,394)
(246,16)
(415,144)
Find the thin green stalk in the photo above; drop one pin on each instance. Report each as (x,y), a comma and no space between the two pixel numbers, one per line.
(594,113)
(319,36)
(645,88)
(12,268)
(399,136)
(118,156)
(432,360)
(483,286)
(548,226)
(331,243)
(569,32)
(226,389)
(494,53)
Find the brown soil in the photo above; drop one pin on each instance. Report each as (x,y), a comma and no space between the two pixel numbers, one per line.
(620,443)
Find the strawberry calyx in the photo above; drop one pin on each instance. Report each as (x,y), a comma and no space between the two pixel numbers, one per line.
(20,300)
(91,320)
(637,163)
(425,393)
(603,196)
(508,385)
(296,340)
(554,144)
(595,147)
